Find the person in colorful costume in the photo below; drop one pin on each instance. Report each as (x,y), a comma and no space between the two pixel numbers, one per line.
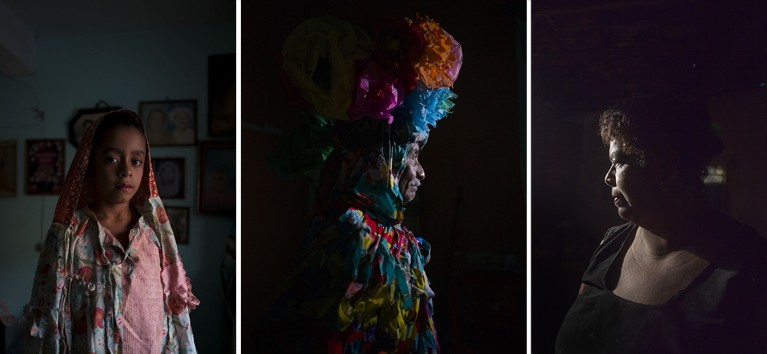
(359,284)
(110,278)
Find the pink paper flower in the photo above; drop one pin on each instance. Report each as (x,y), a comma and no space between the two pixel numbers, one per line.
(376,94)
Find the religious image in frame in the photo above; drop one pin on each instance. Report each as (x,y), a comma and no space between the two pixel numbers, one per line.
(179,222)
(222,95)
(44,166)
(169,175)
(169,123)
(217,176)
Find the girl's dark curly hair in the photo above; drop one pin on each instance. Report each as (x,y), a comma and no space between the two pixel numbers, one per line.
(649,127)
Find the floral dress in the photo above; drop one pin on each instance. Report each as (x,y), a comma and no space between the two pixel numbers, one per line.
(92,295)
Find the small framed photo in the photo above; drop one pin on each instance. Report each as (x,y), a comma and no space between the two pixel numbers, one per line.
(216,188)
(169,175)
(83,119)
(170,122)
(222,95)
(179,222)
(8,168)
(44,166)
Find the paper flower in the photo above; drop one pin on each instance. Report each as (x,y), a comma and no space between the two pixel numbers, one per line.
(441,59)
(400,44)
(319,57)
(402,73)
(427,106)
(376,93)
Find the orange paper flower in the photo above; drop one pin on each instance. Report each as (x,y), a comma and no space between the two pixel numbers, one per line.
(441,59)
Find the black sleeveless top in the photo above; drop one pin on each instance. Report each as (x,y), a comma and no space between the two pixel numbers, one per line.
(724,310)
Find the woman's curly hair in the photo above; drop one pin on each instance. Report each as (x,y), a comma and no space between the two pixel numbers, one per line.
(648,127)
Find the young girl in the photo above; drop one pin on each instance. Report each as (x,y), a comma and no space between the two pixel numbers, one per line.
(109,278)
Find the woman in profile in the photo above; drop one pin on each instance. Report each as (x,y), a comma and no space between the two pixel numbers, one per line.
(678,276)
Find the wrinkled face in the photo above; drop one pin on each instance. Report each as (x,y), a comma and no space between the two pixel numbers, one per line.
(634,188)
(411,178)
(117,165)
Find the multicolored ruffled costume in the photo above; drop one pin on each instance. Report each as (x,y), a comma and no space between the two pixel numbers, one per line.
(92,295)
(359,285)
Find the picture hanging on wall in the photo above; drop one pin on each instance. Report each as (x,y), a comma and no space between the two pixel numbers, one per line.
(44,166)
(170,122)
(179,222)
(222,95)
(8,168)
(169,175)
(216,188)
(84,118)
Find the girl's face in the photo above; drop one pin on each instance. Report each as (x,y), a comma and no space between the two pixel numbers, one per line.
(118,165)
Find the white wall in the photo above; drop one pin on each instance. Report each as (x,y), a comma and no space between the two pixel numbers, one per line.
(74,72)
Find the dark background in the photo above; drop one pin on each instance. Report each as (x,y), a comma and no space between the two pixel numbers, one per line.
(588,55)
(471,207)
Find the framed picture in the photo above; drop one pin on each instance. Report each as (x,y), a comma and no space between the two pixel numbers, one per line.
(216,189)
(170,122)
(179,222)
(8,168)
(45,166)
(169,175)
(222,95)
(83,119)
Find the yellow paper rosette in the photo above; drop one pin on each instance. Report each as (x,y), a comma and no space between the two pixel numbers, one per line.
(318,58)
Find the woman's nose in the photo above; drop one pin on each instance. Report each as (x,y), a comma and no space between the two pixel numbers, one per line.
(610,177)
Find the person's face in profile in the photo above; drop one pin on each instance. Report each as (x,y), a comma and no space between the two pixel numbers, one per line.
(413,175)
(635,189)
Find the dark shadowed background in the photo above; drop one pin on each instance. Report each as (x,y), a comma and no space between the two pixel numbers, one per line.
(471,207)
(588,55)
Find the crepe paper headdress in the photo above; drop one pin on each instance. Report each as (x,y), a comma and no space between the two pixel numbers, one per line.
(339,74)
